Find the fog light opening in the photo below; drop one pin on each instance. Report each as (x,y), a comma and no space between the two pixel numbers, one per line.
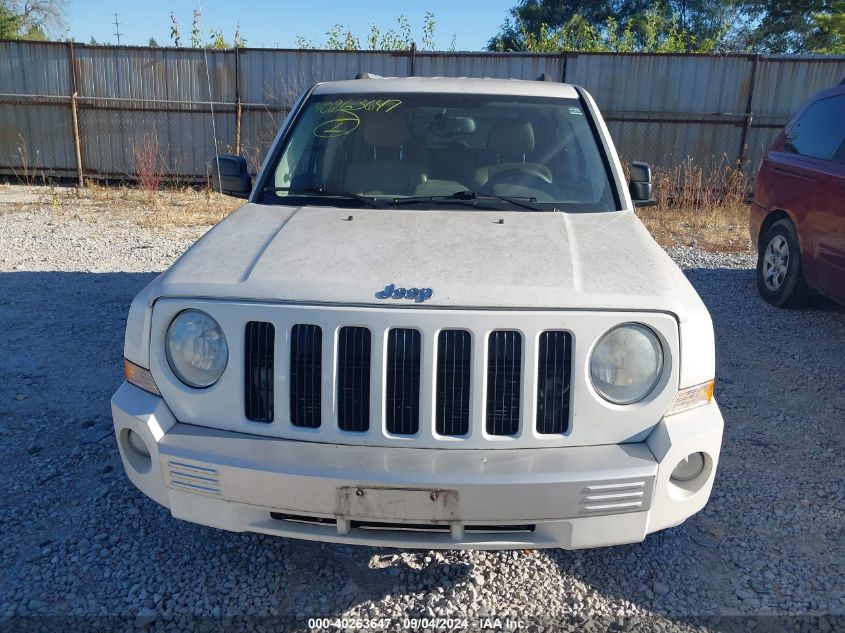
(135,451)
(138,444)
(689,468)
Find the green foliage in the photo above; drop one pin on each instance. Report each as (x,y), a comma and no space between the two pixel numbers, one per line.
(31,19)
(10,24)
(152,43)
(341,38)
(217,41)
(175,35)
(831,25)
(746,26)
(196,32)
(648,32)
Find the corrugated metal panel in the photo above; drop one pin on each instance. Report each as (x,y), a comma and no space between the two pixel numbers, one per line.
(36,138)
(258,129)
(155,74)
(35,68)
(663,83)
(501,66)
(757,144)
(185,139)
(279,76)
(660,108)
(783,84)
(666,144)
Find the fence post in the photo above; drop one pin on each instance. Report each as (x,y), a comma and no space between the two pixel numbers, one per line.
(74,115)
(237,102)
(749,115)
(413,58)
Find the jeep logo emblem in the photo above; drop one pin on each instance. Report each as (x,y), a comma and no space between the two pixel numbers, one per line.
(415,294)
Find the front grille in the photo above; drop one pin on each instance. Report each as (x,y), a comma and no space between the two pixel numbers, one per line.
(504,373)
(306,375)
(402,397)
(454,355)
(553,370)
(259,344)
(353,379)
(430,394)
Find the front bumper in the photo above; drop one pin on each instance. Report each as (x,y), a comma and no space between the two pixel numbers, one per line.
(571,498)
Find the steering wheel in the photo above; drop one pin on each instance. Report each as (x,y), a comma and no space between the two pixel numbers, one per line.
(527,179)
(524,177)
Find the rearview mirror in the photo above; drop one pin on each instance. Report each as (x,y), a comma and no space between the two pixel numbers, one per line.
(640,185)
(230,175)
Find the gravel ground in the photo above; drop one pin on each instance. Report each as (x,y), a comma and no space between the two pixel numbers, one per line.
(77,539)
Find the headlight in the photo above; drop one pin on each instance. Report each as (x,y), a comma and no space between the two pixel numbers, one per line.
(196,348)
(626,363)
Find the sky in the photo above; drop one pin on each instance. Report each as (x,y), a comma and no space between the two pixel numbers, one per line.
(272,24)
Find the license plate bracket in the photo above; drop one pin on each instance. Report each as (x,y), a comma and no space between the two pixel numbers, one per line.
(401,504)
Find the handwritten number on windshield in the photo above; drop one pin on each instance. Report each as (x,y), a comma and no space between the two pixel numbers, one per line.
(347,119)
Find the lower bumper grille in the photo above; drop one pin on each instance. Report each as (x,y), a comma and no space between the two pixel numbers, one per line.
(403,527)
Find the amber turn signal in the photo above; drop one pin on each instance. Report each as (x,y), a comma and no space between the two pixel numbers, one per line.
(140,377)
(692,397)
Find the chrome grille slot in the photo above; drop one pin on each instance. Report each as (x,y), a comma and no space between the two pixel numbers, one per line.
(306,375)
(259,342)
(504,373)
(454,358)
(553,376)
(353,378)
(402,388)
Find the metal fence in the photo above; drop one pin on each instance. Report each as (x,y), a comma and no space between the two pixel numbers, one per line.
(68,110)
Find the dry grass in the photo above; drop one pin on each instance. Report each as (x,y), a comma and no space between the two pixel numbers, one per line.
(700,205)
(149,162)
(161,209)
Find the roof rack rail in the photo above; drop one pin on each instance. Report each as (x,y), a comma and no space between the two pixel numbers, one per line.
(368,76)
(544,77)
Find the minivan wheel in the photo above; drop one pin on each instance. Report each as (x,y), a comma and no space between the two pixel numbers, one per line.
(779,276)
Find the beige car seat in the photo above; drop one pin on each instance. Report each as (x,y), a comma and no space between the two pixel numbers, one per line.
(511,143)
(386,170)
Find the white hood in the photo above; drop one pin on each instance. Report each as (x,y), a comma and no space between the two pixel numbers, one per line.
(470,259)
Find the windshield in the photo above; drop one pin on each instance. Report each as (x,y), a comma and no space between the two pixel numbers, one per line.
(434,149)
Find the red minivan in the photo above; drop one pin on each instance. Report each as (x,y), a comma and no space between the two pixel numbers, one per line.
(798,214)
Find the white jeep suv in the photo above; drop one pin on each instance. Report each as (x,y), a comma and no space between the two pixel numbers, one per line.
(436,323)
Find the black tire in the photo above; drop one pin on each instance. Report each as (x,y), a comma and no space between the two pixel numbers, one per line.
(779,276)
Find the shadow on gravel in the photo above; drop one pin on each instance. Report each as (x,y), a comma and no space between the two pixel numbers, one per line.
(770,538)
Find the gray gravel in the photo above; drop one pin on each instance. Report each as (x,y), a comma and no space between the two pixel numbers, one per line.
(77,539)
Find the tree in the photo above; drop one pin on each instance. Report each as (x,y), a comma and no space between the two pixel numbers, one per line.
(792,26)
(831,25)
(31,19)
(152,43)
(695,21)
(9,24)
(755,26)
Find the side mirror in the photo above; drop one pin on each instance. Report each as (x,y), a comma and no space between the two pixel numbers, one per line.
(640,185)
(233,176)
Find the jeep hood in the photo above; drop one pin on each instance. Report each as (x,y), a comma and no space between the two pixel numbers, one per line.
(469,258)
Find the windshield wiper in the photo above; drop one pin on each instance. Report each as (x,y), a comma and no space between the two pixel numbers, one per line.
(520,201)
(335,193)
